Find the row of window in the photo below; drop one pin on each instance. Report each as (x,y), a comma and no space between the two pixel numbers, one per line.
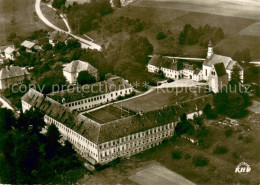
(93,99)
(135,136)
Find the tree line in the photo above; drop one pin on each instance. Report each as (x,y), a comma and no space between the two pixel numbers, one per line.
(27,156)
(201,35)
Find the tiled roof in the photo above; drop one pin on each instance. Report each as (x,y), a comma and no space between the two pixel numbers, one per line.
(58,36)
(85,127)
(9,50)
(227,61)
(12,71)
(90,90)
(165,62)
(189,66)
(77,65)
(220,69)
(3,48)
(28,44)
(100,133)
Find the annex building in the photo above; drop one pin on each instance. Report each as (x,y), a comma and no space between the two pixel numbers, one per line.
(93,95)
(216,69)
(116,132)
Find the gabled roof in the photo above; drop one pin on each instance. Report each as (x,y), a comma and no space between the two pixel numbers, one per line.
(58,36)
(28,44)
(220,69)
(188,66)
(91,90)
(197,71)
(165,62)
(101,133)
(227,61)
(3,48)
(85,127)
(77,66)
(12,71)
(9,50)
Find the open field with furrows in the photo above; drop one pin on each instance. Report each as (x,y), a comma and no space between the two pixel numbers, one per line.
(242,146)
(18,16)
(171,21)
(160,98)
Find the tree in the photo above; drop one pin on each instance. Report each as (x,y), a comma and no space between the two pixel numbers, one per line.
(235,77)
(58,3)
(32,121)
(47,47)
(160,36)
(51,81)
(52,136)
(209,112)
(85,78)
(184,126)
(161,74)
(73,44)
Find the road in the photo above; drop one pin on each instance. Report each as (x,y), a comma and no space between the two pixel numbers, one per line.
(84,43)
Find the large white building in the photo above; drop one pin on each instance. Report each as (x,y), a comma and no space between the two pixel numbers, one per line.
(102,142)
(173,68)
(72,70)
(93,95)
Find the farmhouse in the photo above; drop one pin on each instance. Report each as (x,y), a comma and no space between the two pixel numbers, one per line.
(72,70)
(101,142)
(93,95)
(12,75)
(7,52)
(30,45)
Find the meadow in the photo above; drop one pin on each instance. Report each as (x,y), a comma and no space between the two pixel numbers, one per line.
(18,16)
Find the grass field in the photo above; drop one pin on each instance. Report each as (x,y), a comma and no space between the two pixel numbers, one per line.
(160,98)
(18,16)
(107,114)
(53,17)
(170,18)
(221,167)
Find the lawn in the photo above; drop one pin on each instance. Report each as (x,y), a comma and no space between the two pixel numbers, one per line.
(221,167)
(107,114)
(171,21)
(18,16)
(160,98)
(53,17)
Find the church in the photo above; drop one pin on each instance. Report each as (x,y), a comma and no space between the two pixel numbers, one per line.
(216,69)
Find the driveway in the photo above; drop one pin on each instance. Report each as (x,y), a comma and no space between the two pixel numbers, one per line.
(84,43)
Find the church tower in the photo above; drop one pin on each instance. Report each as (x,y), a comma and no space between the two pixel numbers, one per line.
(210,49)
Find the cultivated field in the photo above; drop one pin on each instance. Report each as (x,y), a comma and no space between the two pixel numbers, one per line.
(18,16)
(160,98)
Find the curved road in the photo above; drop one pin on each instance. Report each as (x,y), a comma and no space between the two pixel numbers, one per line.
(84,43)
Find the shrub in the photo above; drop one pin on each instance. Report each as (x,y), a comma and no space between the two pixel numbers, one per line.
(160,36)
(240,137)
(228,132)
(199,161)
(177,154)
(187,156)
(203,144)
(220,150)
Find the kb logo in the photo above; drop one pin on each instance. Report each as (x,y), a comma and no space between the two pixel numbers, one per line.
(243,168)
